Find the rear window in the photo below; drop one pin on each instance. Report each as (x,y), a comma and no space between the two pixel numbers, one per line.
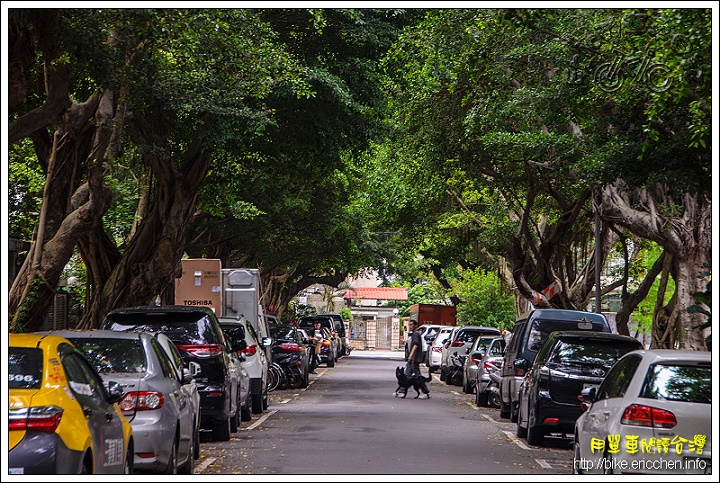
(589,352)
(109,356)
(282,332)
(541,329)
(471,335)
(181,328)
(678,383)
(25,367)
(310,322)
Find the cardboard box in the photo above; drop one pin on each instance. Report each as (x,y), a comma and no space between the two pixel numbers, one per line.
(200,283)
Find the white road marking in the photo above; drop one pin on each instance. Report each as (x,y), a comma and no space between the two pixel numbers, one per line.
(201,467)
(543,463)
(259,421)
(516,440)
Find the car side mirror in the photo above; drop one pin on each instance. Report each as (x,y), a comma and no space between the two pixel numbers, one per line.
(477,355)
(587,397)
(520,364)
(115,392)
(239,345)
(266,341)
(467,351)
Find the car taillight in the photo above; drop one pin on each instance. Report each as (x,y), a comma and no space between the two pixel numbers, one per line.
(457,343)
(290,346)
(250,350)
(202,350)
(490,366)
(41,418)
(475,360)
(141,401)
(520,372)
(641,415)
(437,348)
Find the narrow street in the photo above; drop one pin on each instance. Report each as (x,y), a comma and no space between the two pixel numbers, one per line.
(348,422)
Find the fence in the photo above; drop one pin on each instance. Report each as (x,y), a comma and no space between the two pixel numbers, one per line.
(381,333)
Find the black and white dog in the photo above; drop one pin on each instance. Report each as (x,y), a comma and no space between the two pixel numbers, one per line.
(405,382)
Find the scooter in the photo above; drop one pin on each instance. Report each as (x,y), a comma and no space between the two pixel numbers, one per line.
(493,389)
(455,373)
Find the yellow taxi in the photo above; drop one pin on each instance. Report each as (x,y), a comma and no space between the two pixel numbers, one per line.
(62,419)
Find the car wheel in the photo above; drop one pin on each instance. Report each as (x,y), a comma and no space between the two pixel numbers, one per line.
(331,361)
(493,399)
(265,402)
(443,373)
(504,410)
(607,464)
(129,465)
(189,465)
(481,399)
(235,420)
(514,412)
(535,435)
(246,411)
(196,445)
(577,470)
(221,430)
(171,468)
(521,431)
(305,381)
(467,388)
(257,403)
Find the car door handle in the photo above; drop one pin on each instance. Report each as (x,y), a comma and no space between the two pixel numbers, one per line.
(607,414)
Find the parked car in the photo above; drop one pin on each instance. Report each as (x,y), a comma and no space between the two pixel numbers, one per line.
(308,323)
(342,333)
(244,401)
(154,403)
(256,362)
(435,346)
(61,418)
(427,332)
(655,401)
(458,344)
(487,375)
(196,333)
(568,362)
(529,334)
(475,353)
(291,353)
(189,387)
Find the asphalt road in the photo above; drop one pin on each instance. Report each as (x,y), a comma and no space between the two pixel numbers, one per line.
(347,422)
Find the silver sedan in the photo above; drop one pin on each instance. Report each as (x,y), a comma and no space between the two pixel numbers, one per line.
(161,414)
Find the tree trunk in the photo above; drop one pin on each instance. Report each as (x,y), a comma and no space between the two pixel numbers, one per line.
(686,237)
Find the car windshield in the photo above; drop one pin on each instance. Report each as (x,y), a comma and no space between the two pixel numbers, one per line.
(181,328)
(595,353)
(678,383)
(113,355)
(25,366)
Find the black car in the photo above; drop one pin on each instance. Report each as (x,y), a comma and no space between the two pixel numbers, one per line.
(529,334)
(326,321)
(567,363)
(290,352)
(342,335)
(196,333)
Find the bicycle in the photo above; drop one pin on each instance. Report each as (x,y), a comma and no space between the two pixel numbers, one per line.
(276,377)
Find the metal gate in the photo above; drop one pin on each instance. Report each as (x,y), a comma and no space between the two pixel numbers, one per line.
(383,333)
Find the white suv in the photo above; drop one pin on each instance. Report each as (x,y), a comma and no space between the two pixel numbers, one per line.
(434,353)
(256,362)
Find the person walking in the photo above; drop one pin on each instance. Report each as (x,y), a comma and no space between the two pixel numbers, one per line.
(415,356)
